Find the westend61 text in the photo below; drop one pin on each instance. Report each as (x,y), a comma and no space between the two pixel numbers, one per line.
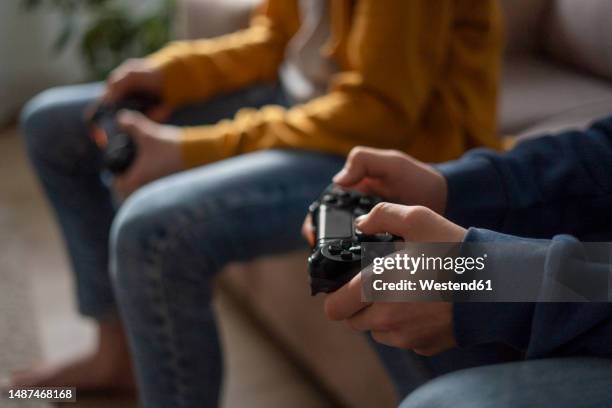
(432,285)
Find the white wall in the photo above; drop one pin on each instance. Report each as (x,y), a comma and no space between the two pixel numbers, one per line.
(27,62)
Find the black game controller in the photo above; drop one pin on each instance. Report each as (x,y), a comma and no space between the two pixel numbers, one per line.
(336,257)
(118,148)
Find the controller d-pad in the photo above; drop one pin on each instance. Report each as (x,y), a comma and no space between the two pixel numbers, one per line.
(329,199)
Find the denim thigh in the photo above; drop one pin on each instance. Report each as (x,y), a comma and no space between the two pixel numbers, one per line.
(573,382)
(68,165)
(171,238)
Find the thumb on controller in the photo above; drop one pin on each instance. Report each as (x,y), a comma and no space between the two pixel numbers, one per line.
(137,125)
(386,217)
(412,223)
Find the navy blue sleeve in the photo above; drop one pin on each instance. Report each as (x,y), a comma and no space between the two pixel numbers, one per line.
(539,329)
(543,187)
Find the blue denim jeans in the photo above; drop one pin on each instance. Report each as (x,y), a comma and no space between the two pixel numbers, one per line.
(68,165)
(572,382)
(165,244)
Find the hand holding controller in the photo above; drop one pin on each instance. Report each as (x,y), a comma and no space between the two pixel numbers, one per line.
(119,149)
(336,256)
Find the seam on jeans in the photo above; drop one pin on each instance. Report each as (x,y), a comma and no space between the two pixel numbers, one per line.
(156,248)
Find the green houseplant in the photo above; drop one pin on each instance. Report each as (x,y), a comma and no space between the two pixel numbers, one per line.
(109,31)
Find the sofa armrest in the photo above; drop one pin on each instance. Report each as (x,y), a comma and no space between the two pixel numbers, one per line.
(338,361)
(577,33)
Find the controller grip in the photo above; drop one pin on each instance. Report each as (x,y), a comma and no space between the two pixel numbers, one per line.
(118,148)
(119,153)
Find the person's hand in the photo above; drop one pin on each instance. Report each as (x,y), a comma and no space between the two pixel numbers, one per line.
(134,75)
(394,176)
(425,327)
(411,223)
(308,231)
(390,174)
(159,152)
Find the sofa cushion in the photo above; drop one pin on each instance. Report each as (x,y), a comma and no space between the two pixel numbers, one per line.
(534,90)
(276,293)
(577,118)
(578,33)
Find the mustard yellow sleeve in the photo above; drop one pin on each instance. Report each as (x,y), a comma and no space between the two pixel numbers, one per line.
(402,89)
(195,70)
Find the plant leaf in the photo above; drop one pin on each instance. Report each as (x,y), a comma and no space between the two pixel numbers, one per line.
(30,5)
(65,34)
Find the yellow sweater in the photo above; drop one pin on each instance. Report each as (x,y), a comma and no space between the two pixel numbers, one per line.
(416,75)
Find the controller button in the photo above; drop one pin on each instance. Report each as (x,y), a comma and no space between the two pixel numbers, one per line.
(384,237)
(368,238)
(334,249)
(346,244)
(359,212)
(346,255)
(344,203)
(366,202)
(329,199)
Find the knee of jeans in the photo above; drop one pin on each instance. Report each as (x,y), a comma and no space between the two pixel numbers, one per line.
(130,242)
(42,118)
(473,387)
(134,225)
(37,116)
(146,229)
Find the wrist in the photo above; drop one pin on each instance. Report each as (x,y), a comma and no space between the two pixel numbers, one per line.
(439,193)
(475,192)
(435,192)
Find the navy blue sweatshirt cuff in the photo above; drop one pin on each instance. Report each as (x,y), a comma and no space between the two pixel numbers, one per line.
(551,271)
(477,323)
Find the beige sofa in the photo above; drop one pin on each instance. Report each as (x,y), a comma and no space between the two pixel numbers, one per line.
(558,63)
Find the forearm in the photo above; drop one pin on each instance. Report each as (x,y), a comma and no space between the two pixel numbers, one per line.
(196,70)
(541,188)
(332,124)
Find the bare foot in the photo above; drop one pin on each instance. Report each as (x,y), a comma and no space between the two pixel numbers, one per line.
(108,367)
